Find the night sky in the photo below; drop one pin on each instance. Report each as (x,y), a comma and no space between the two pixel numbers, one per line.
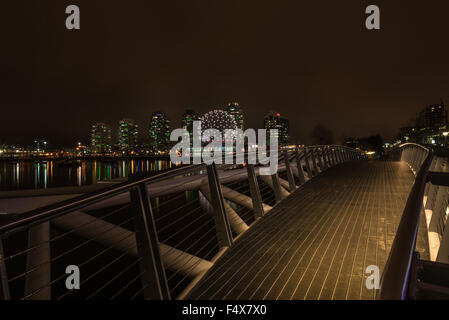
(313,61)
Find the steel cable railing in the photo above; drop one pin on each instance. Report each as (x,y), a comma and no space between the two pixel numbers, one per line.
(405,269)
(148,237)
(396,276)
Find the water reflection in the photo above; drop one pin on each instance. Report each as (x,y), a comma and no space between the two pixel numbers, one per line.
(46,174)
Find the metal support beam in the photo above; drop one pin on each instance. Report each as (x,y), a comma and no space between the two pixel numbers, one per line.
(224,233)
(153,278)
(291,179)
(276,188)
(332,155)
(338,154)
(320,158)
(301,177)
(37,282)
(306,159)
(255,192)
(4,292)
(328,158)
(314,162)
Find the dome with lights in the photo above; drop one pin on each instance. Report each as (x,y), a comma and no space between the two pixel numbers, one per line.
(217,119)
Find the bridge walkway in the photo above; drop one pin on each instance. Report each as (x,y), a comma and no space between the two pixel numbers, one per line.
(317,243)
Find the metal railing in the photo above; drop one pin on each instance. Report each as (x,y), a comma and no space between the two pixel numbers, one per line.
(150,237)
(429,195)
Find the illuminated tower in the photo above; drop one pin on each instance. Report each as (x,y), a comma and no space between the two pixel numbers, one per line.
(127,135)
(100,138)
(159,133)
(187,121)
(274,120)
(235,111)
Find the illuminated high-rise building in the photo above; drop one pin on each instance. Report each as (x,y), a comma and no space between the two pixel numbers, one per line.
(235,111)
(127,135)
(273,120)
(187,121)
(433,117)
(100,138)
(159,132)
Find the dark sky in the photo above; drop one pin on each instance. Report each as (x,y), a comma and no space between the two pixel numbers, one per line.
(311,60)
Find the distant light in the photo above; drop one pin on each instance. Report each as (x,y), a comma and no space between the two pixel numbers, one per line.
(370,152)
(433,141)
(278,114)
(445,134)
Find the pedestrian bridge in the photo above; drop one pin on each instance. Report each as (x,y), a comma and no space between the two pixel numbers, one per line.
(317,243)
(205,232)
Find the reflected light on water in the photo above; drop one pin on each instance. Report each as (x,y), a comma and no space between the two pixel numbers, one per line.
(16,175)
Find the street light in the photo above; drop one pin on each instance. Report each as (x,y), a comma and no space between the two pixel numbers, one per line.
(445,134)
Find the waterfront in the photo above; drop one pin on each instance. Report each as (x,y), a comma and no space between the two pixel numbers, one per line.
(20,175)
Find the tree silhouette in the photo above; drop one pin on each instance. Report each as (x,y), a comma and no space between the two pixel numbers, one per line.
(322,135)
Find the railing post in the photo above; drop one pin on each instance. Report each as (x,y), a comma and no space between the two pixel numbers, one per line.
(153,278)
(37,282)
(341,152)
(337,149)
(320,158)
(255,192)
(291,179)
(306,159)
(337,154)
(224,233)
(301,177)
(328,158)
(346,154)
(276,187)
(314,162)
(4,292)
(332,155)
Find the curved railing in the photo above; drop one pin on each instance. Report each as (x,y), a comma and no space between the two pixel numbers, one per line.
(397,272)
(149,237)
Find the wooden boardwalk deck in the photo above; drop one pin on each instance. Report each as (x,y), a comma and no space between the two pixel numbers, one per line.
(317,243)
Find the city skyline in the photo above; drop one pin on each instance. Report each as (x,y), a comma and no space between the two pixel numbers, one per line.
(172,57)
(126,138)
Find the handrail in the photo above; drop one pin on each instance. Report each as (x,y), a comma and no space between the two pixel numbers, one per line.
(36,215)
(396,275)
(414,144)
(133,229)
